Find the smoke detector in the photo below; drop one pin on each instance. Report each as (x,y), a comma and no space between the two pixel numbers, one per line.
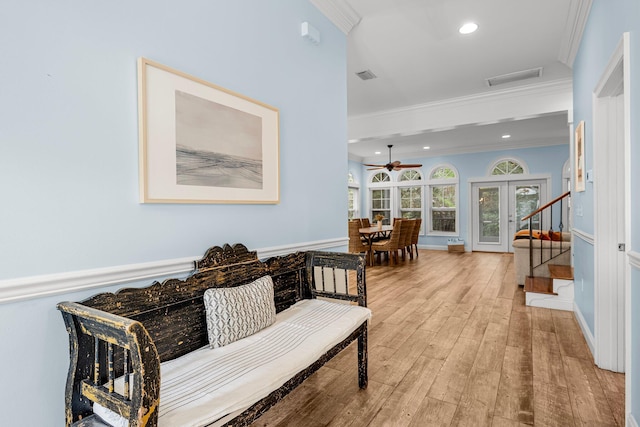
(514,77)
(366,75)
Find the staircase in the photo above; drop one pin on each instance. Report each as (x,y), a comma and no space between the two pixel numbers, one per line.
(555,291)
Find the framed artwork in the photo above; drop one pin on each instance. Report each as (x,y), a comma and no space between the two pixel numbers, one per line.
(201,143)
(580,173)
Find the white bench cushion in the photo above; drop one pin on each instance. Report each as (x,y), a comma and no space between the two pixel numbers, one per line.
(207,384)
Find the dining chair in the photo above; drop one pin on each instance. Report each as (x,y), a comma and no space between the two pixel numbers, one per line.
(390,245)
(405,236)
(365,222)
(414,237)
(356,245)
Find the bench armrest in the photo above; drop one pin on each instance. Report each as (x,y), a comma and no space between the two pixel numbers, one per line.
(95,337)
(330,275)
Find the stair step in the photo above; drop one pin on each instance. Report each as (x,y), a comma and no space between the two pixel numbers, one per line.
(564,272)
(539,285)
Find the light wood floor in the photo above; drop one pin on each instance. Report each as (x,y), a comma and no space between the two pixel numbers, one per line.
(451,343)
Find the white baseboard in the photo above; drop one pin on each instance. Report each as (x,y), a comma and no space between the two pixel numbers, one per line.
(24,288)
(437,247)
(588,336)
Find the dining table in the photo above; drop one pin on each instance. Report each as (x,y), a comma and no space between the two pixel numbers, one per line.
(370,233)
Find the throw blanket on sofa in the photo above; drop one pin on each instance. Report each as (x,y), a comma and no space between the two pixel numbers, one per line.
(206,385)
(538,235)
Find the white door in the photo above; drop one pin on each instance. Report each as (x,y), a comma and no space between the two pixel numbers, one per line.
(611,145)
(498,209)
(525,197)
(490,211)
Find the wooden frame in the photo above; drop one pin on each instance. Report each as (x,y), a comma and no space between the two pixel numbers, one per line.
(201,143)
(580,173)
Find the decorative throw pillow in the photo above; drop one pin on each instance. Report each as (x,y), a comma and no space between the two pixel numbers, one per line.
(235,313)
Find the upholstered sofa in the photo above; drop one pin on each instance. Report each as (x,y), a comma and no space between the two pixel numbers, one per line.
(549,248)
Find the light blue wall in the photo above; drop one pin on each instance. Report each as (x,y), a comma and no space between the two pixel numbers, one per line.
(69,152)
(544,160)
(607,22)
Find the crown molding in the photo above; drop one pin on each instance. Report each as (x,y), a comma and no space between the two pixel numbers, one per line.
(339,12)
(484,108)
(576,22)
(451,151)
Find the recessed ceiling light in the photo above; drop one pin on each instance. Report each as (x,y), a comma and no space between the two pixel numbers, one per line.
(426,148)
(506,136)
(468,28)
(377,152)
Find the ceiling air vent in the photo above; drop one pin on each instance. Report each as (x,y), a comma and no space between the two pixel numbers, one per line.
(366,75)
(514,77)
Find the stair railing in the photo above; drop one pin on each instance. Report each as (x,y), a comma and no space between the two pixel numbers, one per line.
(529,217)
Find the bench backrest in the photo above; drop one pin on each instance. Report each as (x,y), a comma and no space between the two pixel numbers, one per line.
(173,311)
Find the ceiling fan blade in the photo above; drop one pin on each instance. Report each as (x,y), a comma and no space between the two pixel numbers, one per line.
(396,163)
(409,166)
(375,169)
(376,166)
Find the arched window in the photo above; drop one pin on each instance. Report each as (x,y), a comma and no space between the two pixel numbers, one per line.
(381,177)
(508,167)
(410,194)
(443,210)
(380,196)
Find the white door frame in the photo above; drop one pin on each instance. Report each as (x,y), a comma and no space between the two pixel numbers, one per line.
(501,179)
(611,190)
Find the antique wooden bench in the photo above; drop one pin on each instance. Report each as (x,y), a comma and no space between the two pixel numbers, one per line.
(120,343)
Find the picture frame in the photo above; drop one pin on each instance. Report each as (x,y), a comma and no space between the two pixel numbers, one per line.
(579,167)
(201,143)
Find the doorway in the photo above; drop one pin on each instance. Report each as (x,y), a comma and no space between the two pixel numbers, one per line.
(499,206)
(611,145)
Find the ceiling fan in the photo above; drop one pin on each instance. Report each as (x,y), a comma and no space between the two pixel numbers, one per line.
(392,166)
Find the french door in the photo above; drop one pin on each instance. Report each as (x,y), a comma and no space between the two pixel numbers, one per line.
(498,209)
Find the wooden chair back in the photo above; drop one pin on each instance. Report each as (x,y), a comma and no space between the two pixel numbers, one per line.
(355,242)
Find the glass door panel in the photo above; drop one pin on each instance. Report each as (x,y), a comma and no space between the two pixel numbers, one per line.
(490,217)
(527,200)
(489,214)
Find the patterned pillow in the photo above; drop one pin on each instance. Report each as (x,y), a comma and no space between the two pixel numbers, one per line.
(235,313)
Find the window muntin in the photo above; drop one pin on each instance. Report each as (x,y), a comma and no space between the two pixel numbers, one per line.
(410,197)
(353,203)
(381,204)
(507,167)
(443,207)
(352,208)
(443,172)
(410,175)
(381,177)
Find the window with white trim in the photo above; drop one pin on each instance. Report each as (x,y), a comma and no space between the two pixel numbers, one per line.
(443,209)
(410,194)
(380,196)
(354,197)
(507,167)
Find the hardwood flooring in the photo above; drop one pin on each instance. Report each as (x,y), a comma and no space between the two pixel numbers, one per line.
(451,343)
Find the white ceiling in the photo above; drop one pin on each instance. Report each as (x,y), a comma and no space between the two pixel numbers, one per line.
(431,86)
